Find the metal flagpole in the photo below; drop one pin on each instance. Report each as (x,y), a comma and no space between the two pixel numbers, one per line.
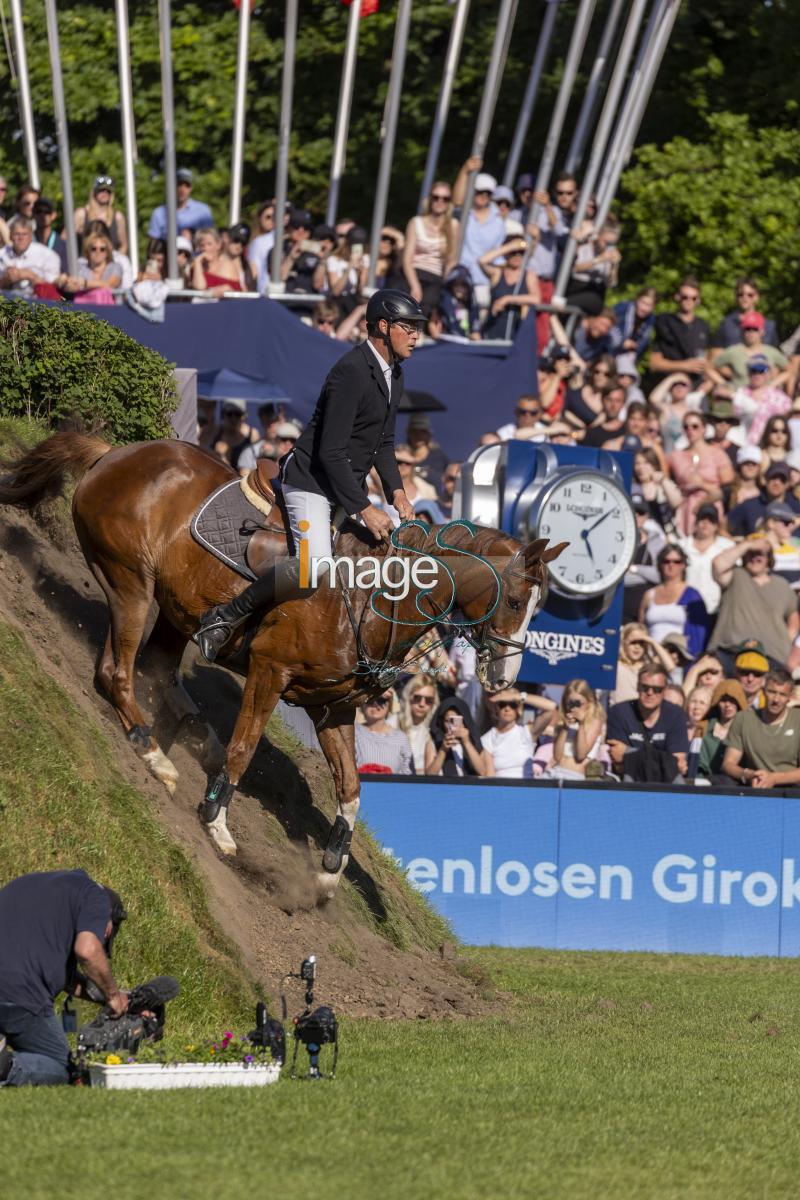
(128,135)
(62,136)
(343,112)
(531,92)
(388,132)
(237,159)
(284,136)
(26,108)
(445,96)
(578,143)
(599,144)
(637,102)
(580,31)
(170,166)
(491,87)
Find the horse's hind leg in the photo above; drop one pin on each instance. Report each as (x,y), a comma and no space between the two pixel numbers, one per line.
(129,596)
(160,660)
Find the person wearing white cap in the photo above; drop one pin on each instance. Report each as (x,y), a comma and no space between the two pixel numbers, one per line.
(503,197)
(485,226)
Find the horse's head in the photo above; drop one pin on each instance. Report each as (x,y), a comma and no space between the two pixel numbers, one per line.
(501,638)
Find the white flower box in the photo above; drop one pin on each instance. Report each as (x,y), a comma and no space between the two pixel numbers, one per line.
(183,1075)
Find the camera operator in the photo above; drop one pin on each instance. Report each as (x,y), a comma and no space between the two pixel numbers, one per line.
(51,924)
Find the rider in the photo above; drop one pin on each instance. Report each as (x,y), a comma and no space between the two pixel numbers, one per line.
(351,431)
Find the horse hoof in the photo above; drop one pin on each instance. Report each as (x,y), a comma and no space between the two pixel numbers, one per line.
(327,886)
(162,768)
(221,836)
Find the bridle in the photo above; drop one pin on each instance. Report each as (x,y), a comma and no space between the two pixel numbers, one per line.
(486,636)
(478,633)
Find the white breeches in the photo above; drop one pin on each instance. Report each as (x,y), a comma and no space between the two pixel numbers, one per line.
(315,512)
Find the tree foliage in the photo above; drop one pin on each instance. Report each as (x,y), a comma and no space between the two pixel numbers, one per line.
(720,208)
(56,363)
(733,57)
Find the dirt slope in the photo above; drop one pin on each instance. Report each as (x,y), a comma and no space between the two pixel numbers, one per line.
(260,899)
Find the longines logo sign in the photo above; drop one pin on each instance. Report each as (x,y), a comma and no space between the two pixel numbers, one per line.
(555,647)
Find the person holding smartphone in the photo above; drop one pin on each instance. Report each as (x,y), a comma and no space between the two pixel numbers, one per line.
(455,737)
(580,735)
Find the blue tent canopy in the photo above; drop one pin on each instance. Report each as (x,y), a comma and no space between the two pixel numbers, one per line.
(226,384)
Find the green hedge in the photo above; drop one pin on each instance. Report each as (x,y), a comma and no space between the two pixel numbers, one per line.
(56,363)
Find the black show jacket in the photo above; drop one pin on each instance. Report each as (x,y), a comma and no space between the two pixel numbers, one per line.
(351,431)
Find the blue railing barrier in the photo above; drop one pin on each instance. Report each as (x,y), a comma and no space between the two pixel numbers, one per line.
(598,867)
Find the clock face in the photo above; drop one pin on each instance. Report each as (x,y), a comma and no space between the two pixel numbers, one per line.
(593,513)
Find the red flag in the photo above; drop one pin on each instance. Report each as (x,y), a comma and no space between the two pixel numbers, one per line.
(368,7)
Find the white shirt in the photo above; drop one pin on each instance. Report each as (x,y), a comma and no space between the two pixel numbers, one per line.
(385,367)
(512,752)
(37,257)
(699,574)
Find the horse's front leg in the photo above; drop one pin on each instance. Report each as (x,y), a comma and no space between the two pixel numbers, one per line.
(337,739)
(262,690)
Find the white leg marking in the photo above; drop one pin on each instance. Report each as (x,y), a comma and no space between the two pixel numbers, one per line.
(220,834)
(162,768)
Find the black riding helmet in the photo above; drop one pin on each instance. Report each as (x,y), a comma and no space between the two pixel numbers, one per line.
(391,305)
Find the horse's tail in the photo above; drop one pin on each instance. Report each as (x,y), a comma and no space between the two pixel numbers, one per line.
(42,472)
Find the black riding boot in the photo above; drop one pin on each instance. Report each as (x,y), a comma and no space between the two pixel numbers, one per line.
(280,582)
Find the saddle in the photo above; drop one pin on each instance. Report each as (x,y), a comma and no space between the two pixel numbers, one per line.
(243,522)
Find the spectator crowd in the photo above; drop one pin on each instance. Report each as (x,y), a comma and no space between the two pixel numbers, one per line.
(706,686)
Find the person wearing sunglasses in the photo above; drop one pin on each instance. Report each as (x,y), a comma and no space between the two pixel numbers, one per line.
(775,443)
(681,338)
(380,747)
(508,746)
(97,272)
(417,705)
(762,397)
(748,299)
(431,247)
(100,207)
(673,608)
(701,471)
(754,599)
(648,721)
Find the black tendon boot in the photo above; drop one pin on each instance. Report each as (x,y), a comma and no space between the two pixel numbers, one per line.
(280,582)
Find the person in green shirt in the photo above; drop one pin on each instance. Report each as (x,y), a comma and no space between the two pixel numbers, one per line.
(763,747)
(731,364)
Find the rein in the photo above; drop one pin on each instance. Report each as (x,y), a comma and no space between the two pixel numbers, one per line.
(381,672)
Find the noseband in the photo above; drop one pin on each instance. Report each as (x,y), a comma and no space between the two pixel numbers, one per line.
(484,637)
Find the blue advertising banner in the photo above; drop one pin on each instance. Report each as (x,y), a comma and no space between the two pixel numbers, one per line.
(586,868)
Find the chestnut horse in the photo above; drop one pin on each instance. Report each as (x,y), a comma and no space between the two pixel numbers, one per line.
(132,509)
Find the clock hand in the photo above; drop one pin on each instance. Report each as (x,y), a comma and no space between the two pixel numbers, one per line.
(598,521)
(585,536)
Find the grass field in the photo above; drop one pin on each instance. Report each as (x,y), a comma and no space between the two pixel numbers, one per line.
(610,1076)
